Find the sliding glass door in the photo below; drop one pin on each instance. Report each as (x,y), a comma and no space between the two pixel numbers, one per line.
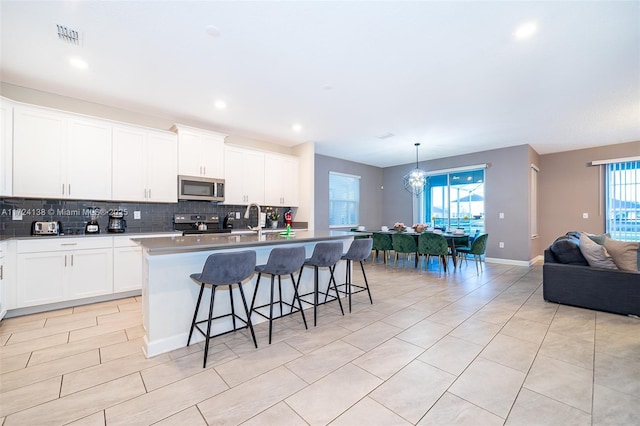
(455,200)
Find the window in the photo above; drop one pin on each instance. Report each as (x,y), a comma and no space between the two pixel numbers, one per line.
(623,200)
(344,200)
(455,199)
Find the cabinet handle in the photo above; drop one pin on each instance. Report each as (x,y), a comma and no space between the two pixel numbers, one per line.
(71,260)
(149,193)
(69,244)
(145,193)
(63,189)
(1,272)
(204,170)
(200,170)
(65,260)
(69,189)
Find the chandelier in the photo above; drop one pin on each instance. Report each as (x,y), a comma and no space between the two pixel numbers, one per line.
(415,180)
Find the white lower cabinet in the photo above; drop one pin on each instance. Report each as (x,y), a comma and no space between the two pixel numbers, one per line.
(63,269)
(127,269)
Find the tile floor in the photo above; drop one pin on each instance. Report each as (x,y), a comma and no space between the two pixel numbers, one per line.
(454,349)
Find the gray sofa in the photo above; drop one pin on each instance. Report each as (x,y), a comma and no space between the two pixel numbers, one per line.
(568,279)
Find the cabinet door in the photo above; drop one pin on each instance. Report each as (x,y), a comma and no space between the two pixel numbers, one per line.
(38,144)
(129,164)
(213,156)
(6,144)
(89,160)
(244,176)
(90,273)
(41,277)
(291,185)
(189,154)
(162,168)
(281,181)
(127,269)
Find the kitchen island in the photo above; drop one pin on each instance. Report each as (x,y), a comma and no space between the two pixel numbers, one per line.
(169,295)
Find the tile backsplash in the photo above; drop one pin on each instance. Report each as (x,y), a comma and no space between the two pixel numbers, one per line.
(72,214)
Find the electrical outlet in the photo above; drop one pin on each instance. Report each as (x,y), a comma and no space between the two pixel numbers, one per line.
(237,215)
(501,244)
(136,214)
(501,215)
(585,215)
(16,214)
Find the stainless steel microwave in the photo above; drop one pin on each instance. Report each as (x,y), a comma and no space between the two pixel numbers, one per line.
(200,189)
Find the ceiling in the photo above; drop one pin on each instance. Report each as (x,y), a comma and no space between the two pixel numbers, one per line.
(450,75)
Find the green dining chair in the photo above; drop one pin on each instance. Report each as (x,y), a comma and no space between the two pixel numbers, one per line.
(382,242)
(431,244)
(477,249)
(404,243)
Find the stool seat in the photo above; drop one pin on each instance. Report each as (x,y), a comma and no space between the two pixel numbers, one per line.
(359,250)
(223,269)
(325,255)
(282,261)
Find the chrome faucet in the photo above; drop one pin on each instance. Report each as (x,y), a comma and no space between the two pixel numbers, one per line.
(258,228)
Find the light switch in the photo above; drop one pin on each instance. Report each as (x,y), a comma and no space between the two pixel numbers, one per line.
(501,245)
(585,215)
(501,215)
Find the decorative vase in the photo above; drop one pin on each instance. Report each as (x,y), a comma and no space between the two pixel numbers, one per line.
(274,224)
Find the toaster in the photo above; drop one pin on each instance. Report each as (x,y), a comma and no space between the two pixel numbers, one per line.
(45,228)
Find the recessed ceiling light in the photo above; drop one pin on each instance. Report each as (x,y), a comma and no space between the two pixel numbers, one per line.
(220,104)
(78,63)
(327,87)
(525,30)
(213,31)
(296,127)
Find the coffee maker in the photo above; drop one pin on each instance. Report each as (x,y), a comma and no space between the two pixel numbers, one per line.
(116,221)
(92,226)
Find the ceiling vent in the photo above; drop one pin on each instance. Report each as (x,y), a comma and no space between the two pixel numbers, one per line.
(69,35)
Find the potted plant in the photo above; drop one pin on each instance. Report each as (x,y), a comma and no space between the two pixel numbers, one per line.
(273,217)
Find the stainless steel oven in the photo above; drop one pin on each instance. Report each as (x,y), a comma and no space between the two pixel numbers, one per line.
(200,189)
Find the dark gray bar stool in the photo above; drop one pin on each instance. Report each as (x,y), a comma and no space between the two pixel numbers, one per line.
(325,255)
(282,261)
(359,250)
(224,269)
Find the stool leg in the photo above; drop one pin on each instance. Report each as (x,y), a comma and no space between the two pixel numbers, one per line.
(233,311)
(280,294)
(366,283)
(207,337)
(246,311)
(271,309)
(335,287)
(348,282)
(296,296)
(195,314)
(255,292)
(315,296)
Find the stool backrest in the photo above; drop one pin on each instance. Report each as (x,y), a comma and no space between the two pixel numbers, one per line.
(359,250)
(228,268)
(326,254)
(285,260)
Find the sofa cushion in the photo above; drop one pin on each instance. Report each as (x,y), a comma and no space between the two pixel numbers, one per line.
(625,254)
(596,255)
(566,250)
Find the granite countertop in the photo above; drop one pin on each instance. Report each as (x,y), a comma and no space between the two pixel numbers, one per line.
(203,242)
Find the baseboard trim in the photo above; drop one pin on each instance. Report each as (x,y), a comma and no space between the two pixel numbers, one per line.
(507,261)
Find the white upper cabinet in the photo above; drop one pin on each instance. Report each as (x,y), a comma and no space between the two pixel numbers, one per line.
(281,180)
(145,166)
(244,176)
(57,155)
(200,152)
(6,146)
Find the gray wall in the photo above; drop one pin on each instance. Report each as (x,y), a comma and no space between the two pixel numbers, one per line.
(570,186)
(506,191)
(370,193)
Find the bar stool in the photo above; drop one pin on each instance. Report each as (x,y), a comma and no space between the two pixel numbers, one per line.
(223,269)
(325,255)
(358,252)
(282,261)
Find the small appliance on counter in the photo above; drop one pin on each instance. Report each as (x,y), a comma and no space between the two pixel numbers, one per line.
(117,223)
(191,224)
(227,223)
(92,226)
(46,228)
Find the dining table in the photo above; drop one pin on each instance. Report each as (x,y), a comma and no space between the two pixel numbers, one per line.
(450,237)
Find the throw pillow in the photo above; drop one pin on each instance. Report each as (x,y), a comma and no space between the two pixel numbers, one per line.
(566,250)
(598,238)
(625,254)
(596,255)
